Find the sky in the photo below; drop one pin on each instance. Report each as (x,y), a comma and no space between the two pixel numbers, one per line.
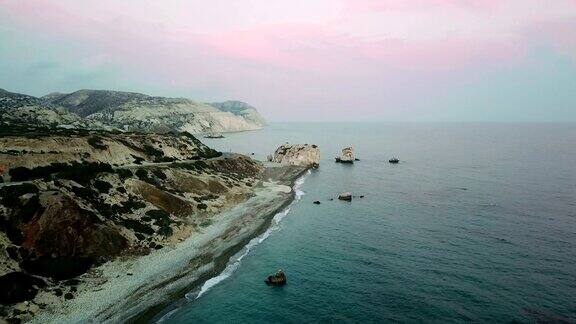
(317,60)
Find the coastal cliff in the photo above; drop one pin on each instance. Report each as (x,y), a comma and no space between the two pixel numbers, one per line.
(86,215)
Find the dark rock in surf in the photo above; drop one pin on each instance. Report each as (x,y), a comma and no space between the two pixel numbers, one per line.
(277,279)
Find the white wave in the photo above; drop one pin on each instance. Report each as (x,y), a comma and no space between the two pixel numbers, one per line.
(167,315)
(235,260)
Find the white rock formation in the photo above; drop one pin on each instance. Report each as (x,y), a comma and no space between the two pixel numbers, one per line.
(347,155)
(297,154)
(242,109)
(346,196)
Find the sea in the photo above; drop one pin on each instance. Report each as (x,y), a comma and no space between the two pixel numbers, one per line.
(476,223)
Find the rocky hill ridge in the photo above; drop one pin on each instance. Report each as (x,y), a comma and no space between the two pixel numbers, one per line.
(127,111)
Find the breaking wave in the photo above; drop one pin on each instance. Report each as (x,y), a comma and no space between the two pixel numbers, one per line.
(236,259)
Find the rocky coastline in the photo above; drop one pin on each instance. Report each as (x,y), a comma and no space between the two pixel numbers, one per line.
(146,286)
(109,226)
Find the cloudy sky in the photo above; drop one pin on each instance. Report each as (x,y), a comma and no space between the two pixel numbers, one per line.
(394,60)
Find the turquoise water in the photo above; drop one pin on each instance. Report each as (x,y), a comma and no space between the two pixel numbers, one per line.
(477,223)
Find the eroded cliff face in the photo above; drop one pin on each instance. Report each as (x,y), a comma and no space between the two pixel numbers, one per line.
(72,200)
(297,154)
(240,108)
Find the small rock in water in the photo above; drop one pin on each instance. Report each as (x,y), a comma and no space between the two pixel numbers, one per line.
(361,196)
(68,296)
(317,202)
(347,156)
(346,196)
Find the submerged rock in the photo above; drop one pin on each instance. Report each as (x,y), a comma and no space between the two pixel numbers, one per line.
(317,202)
(297,154)
(346,196)
(347,155)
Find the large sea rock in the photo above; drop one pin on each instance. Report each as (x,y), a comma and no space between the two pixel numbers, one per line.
(297,154)
(347,155)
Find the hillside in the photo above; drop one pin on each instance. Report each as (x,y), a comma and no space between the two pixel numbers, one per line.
(126,111)
(23,109)
(71,200)
(242,109)
(138,112)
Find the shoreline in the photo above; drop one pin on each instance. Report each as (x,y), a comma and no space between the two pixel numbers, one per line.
(136,290)
(222,262)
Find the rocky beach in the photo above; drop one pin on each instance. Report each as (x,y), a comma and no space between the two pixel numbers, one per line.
(102,224)
(138,287)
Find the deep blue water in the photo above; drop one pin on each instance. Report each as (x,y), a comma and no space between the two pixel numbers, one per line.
(477,223)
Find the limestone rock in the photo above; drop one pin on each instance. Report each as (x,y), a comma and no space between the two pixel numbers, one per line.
(346,196)
(297,154)
(347,156)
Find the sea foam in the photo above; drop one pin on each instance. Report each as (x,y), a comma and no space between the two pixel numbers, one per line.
(236,259)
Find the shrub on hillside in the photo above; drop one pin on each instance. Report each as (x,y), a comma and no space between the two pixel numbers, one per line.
(96,142)
(102,186)
(80,172)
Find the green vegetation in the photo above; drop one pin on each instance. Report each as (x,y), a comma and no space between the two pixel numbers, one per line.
(10,194)
(158,173)
(102,186)
(162,220)
(137,226)
(96,142)
(124,173)
(137,159)
(80,172)
(30,208)
(142,174)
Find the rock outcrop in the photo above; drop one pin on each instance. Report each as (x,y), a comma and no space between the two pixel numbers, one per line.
(297,154)
(347,155)
(346,196)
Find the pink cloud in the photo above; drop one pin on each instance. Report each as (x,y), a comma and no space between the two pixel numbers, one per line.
(370,51)
(390,5)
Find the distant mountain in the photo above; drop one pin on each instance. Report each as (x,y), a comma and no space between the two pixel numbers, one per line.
(130,111)
(21,108)
(16,100)
(87,102)
(242,109)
